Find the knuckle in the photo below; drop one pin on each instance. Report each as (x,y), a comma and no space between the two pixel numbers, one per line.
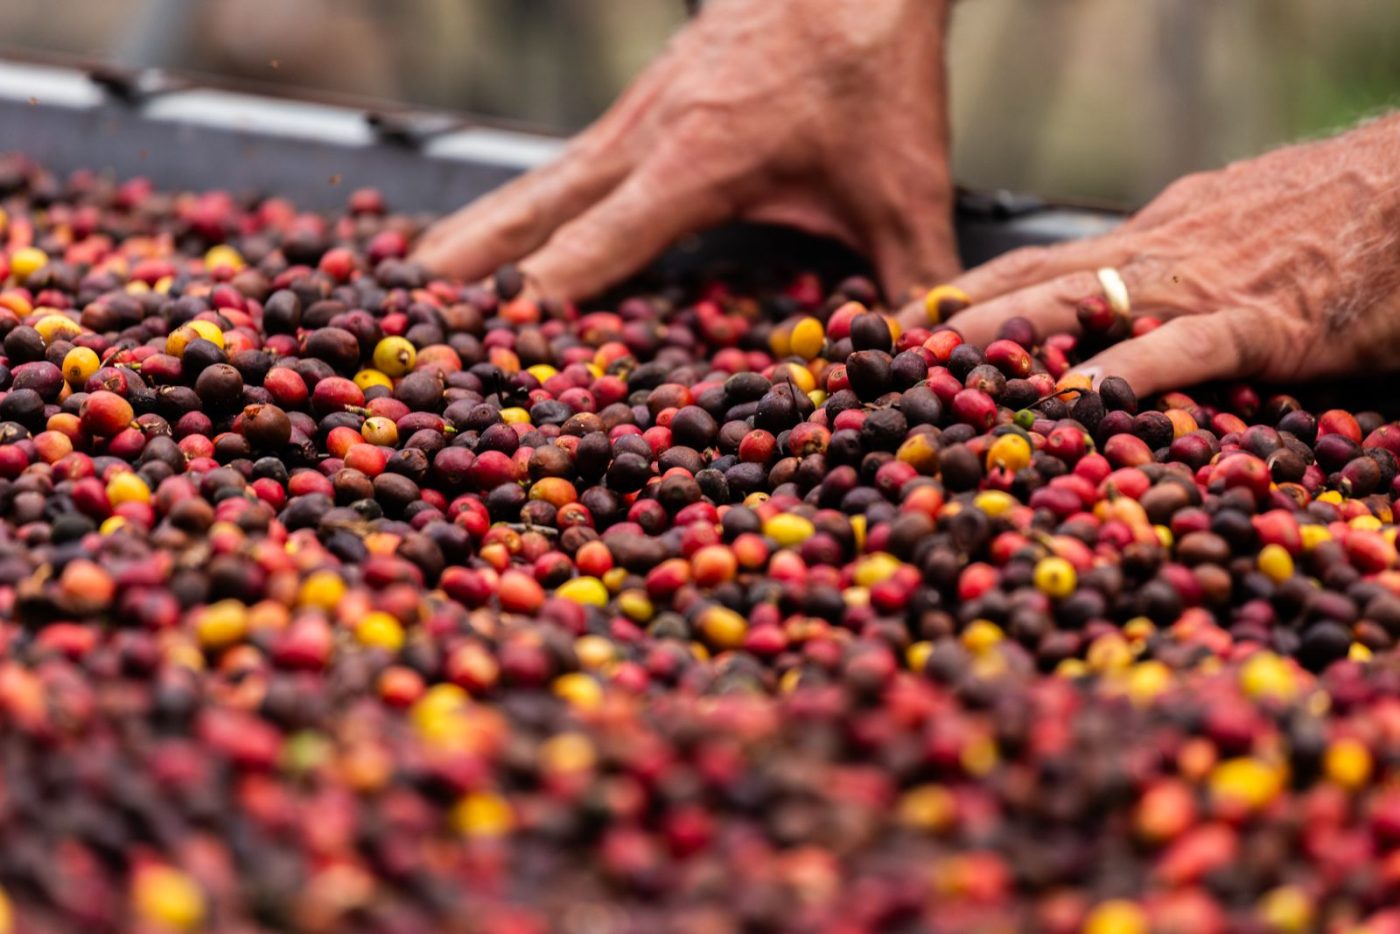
(583,237)
(700,158)
(1075,287)
(518,219)
(1187,186)
(1021,263)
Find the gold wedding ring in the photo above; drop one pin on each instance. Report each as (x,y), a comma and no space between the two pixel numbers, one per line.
(1115,290)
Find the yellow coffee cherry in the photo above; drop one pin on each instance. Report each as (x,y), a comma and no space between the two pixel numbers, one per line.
(1109,652)
(127,487)
(185,334)
(807,338)
(635,605)
(588,591)
(799,376)
(1314,535)
(1072,383)
(895,327)
(379,630)
(439,707)
(1148,680)
(567,754)
(222,624)
(1246,781)
(1266,675)
(858,530)
(1348,763)
(56,327)
(723,628)
(921,453)
(856,596)
(1011,452)
(394,356)
(994,502)
(26,261)
(578,689)
(1365,524)
(594,651)
(224,256)
(927,808)
(1287,910)
(1055,577)
(943,301)
(79,364)
(780,340)
(323,590)
(368,378)
(788,530)
(875,569)
(165,897)
(380,430)
(979,756)
(1182,422)
(209,331)
(1138,629)
(483,814)
(1071,668)
(1118,916)
(981,635)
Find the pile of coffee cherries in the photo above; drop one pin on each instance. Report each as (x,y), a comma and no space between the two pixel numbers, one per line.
(338,597)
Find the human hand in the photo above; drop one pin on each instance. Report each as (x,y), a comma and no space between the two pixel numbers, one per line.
(1285,267)
(825,115)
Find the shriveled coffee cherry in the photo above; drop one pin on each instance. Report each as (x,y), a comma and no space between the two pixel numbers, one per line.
(266,427)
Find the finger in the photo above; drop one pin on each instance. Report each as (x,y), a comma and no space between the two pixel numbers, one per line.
(1049,305)
(926,253)
(621,234)
(1186,351)
(516,218)
(908,225)
(1033,265)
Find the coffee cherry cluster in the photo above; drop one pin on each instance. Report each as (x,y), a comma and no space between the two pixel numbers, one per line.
(335,596)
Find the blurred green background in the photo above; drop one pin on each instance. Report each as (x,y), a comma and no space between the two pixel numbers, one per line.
(1097,100)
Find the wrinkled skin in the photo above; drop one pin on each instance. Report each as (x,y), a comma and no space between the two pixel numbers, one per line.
(1285,267)
(826,115)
